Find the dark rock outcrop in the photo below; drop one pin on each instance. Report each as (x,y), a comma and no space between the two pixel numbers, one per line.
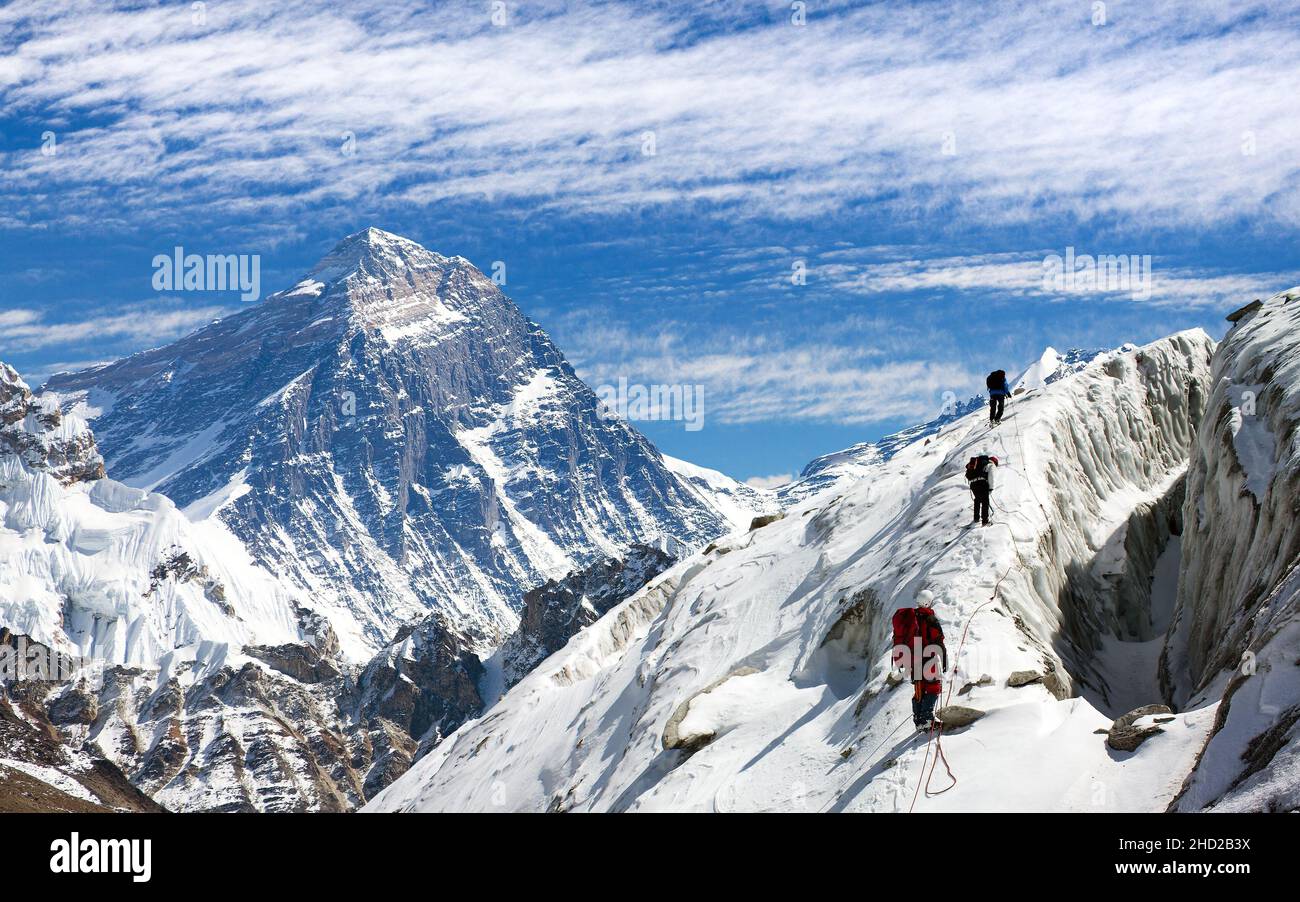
(556,610)
(1124,736)
(35,430)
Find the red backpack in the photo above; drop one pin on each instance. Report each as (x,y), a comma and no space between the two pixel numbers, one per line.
(916,629)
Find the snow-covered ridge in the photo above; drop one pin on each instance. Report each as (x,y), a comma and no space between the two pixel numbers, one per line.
(738,502)
(837,469)
(753,677)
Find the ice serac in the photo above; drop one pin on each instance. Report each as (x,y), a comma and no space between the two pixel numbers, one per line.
(1236,632)
(753,676)
(393,437)
(95,568)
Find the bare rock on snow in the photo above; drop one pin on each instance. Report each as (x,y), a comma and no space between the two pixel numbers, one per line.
(1024,678)
(41,436)
(1125,737)
(952,716)
(765,520)
(76,706)
(984,680)
(1055,685)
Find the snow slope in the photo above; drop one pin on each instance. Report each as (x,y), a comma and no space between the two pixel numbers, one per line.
(839,468)
(754,677)
(736,501)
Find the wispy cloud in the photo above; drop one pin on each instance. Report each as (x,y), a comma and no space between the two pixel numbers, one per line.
(1168,114)
(137,326)
(1021,274)
(751,378)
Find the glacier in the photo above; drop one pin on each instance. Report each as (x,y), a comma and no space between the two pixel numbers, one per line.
(1236,629)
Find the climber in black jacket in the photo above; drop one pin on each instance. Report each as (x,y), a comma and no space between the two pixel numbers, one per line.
(979,476)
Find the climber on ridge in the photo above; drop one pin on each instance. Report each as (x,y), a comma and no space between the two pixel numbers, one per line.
(999,390)
(919,649)
(979,476)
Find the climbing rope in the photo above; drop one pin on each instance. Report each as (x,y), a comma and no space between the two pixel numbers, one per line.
(878,747)
(936,736)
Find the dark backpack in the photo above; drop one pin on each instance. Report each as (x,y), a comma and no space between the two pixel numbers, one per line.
(996,380)
(977,468)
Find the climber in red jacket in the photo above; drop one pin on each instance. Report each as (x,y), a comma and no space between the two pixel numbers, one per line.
(919,649)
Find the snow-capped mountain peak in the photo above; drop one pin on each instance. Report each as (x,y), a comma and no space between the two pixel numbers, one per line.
(393,436)
(1053,366)
(373,254)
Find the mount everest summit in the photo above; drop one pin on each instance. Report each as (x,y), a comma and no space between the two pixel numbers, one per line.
(392,436)
(372,543)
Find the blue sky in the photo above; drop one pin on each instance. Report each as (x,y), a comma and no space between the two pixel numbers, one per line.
(652,174)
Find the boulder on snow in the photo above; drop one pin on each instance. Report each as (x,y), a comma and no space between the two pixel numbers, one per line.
(984,680)
(952,716)
(1125,737)
(1055,685)
(1024,678)
(690,741)
(765,520)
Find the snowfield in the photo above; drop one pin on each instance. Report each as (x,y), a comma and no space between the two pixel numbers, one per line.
(754,676)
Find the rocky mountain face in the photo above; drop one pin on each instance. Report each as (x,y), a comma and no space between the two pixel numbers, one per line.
(210,686)
(35,431)
(1236,630)
(201,682)
(558,609)
(392,437)
(429,680)
(414,692)
(38,772)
